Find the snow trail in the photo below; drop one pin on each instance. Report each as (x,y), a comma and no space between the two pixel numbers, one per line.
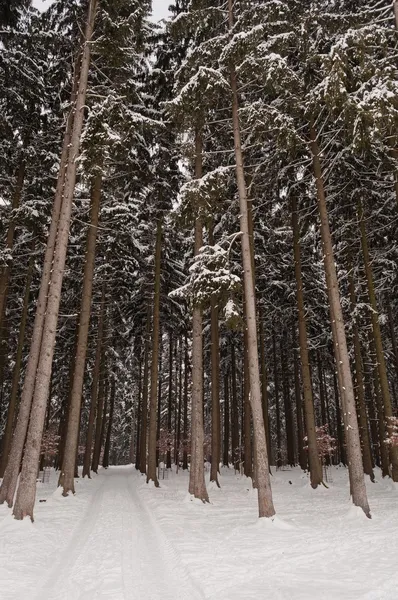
(119,552)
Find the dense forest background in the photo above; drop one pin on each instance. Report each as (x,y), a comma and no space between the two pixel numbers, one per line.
(217,275)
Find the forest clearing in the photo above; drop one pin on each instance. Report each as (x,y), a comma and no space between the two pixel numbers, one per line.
(198,299)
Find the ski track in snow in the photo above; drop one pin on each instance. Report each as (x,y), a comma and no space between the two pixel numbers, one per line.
(120,539)
(119,552)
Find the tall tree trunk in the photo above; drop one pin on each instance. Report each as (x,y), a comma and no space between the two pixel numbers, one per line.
(360,389)
(340,424)
(215,385)
(94,386)
(139,405)
(234,412)
(290,440)
(153,413)
(6,442)
(105,462)
(100,411)
(144,396)
(9,483)
(357,479)
(265,503)
(226,422)
(179,408)
(381,363)
(71,443)
(279,461)
(392,334)
(299,407)
(170,401)
(25,497)
(247,417)
(264,389)
(314,462)
(197,486)
(185,411)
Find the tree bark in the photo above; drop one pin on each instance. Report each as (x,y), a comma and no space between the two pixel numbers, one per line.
(290,439)
(360,390)
(139,405)
(185,410)
(357,479)
(279,461)
(71,443)
(265,503)
(197,486)
(153,413)
(215,385)
(6,442)
(102,384)
(94,386)
(234,412)
(144,397)
(105,462)
(381,363)
(314,462)
(247,417)
(299,407)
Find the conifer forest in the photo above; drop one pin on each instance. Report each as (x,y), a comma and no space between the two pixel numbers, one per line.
(198,299)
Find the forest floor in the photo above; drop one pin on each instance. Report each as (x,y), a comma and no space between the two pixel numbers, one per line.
(119,539)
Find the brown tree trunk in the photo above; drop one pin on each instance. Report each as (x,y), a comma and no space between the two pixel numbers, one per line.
(360,390)
(392,334)
(197,486)
(6,442)
(179,408)
(265,503)
(144,397)
(234,412)
(357,480)
(9,483)
(215,385)
(105,462)
(299,407)
(139,405)
(71,443)
(279,461)
(185,410)
(290,439)
(226,422)
(247,417)
(102,385)
(264,389)
(94,386)
(314,462)
(381,363)
(153,413)
(170,401)
(25,497)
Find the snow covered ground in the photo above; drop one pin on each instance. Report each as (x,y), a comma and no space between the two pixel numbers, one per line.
(119,539)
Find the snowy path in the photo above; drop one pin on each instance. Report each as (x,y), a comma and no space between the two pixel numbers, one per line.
(119,552)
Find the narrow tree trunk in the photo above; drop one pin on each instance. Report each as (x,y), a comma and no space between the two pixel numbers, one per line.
(170,401)
(340,424)
(153,413)
(381,363)
(215,385)
(264,389)
(314,462)
(197,486)
(27,488)
(247,417)
(290,439)
(265,503)
(139,406)
(226,422)
(185,425)
(71,443)
(357,480)
(234,412)
(179,408)
(360,390)
(100,411)
(299,407)
(279,461)
(9,483)
(6,442)
(94,387)
(392,334)
(144,397)
(105,462)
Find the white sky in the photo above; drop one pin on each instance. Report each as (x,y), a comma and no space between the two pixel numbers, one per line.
(160,7)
